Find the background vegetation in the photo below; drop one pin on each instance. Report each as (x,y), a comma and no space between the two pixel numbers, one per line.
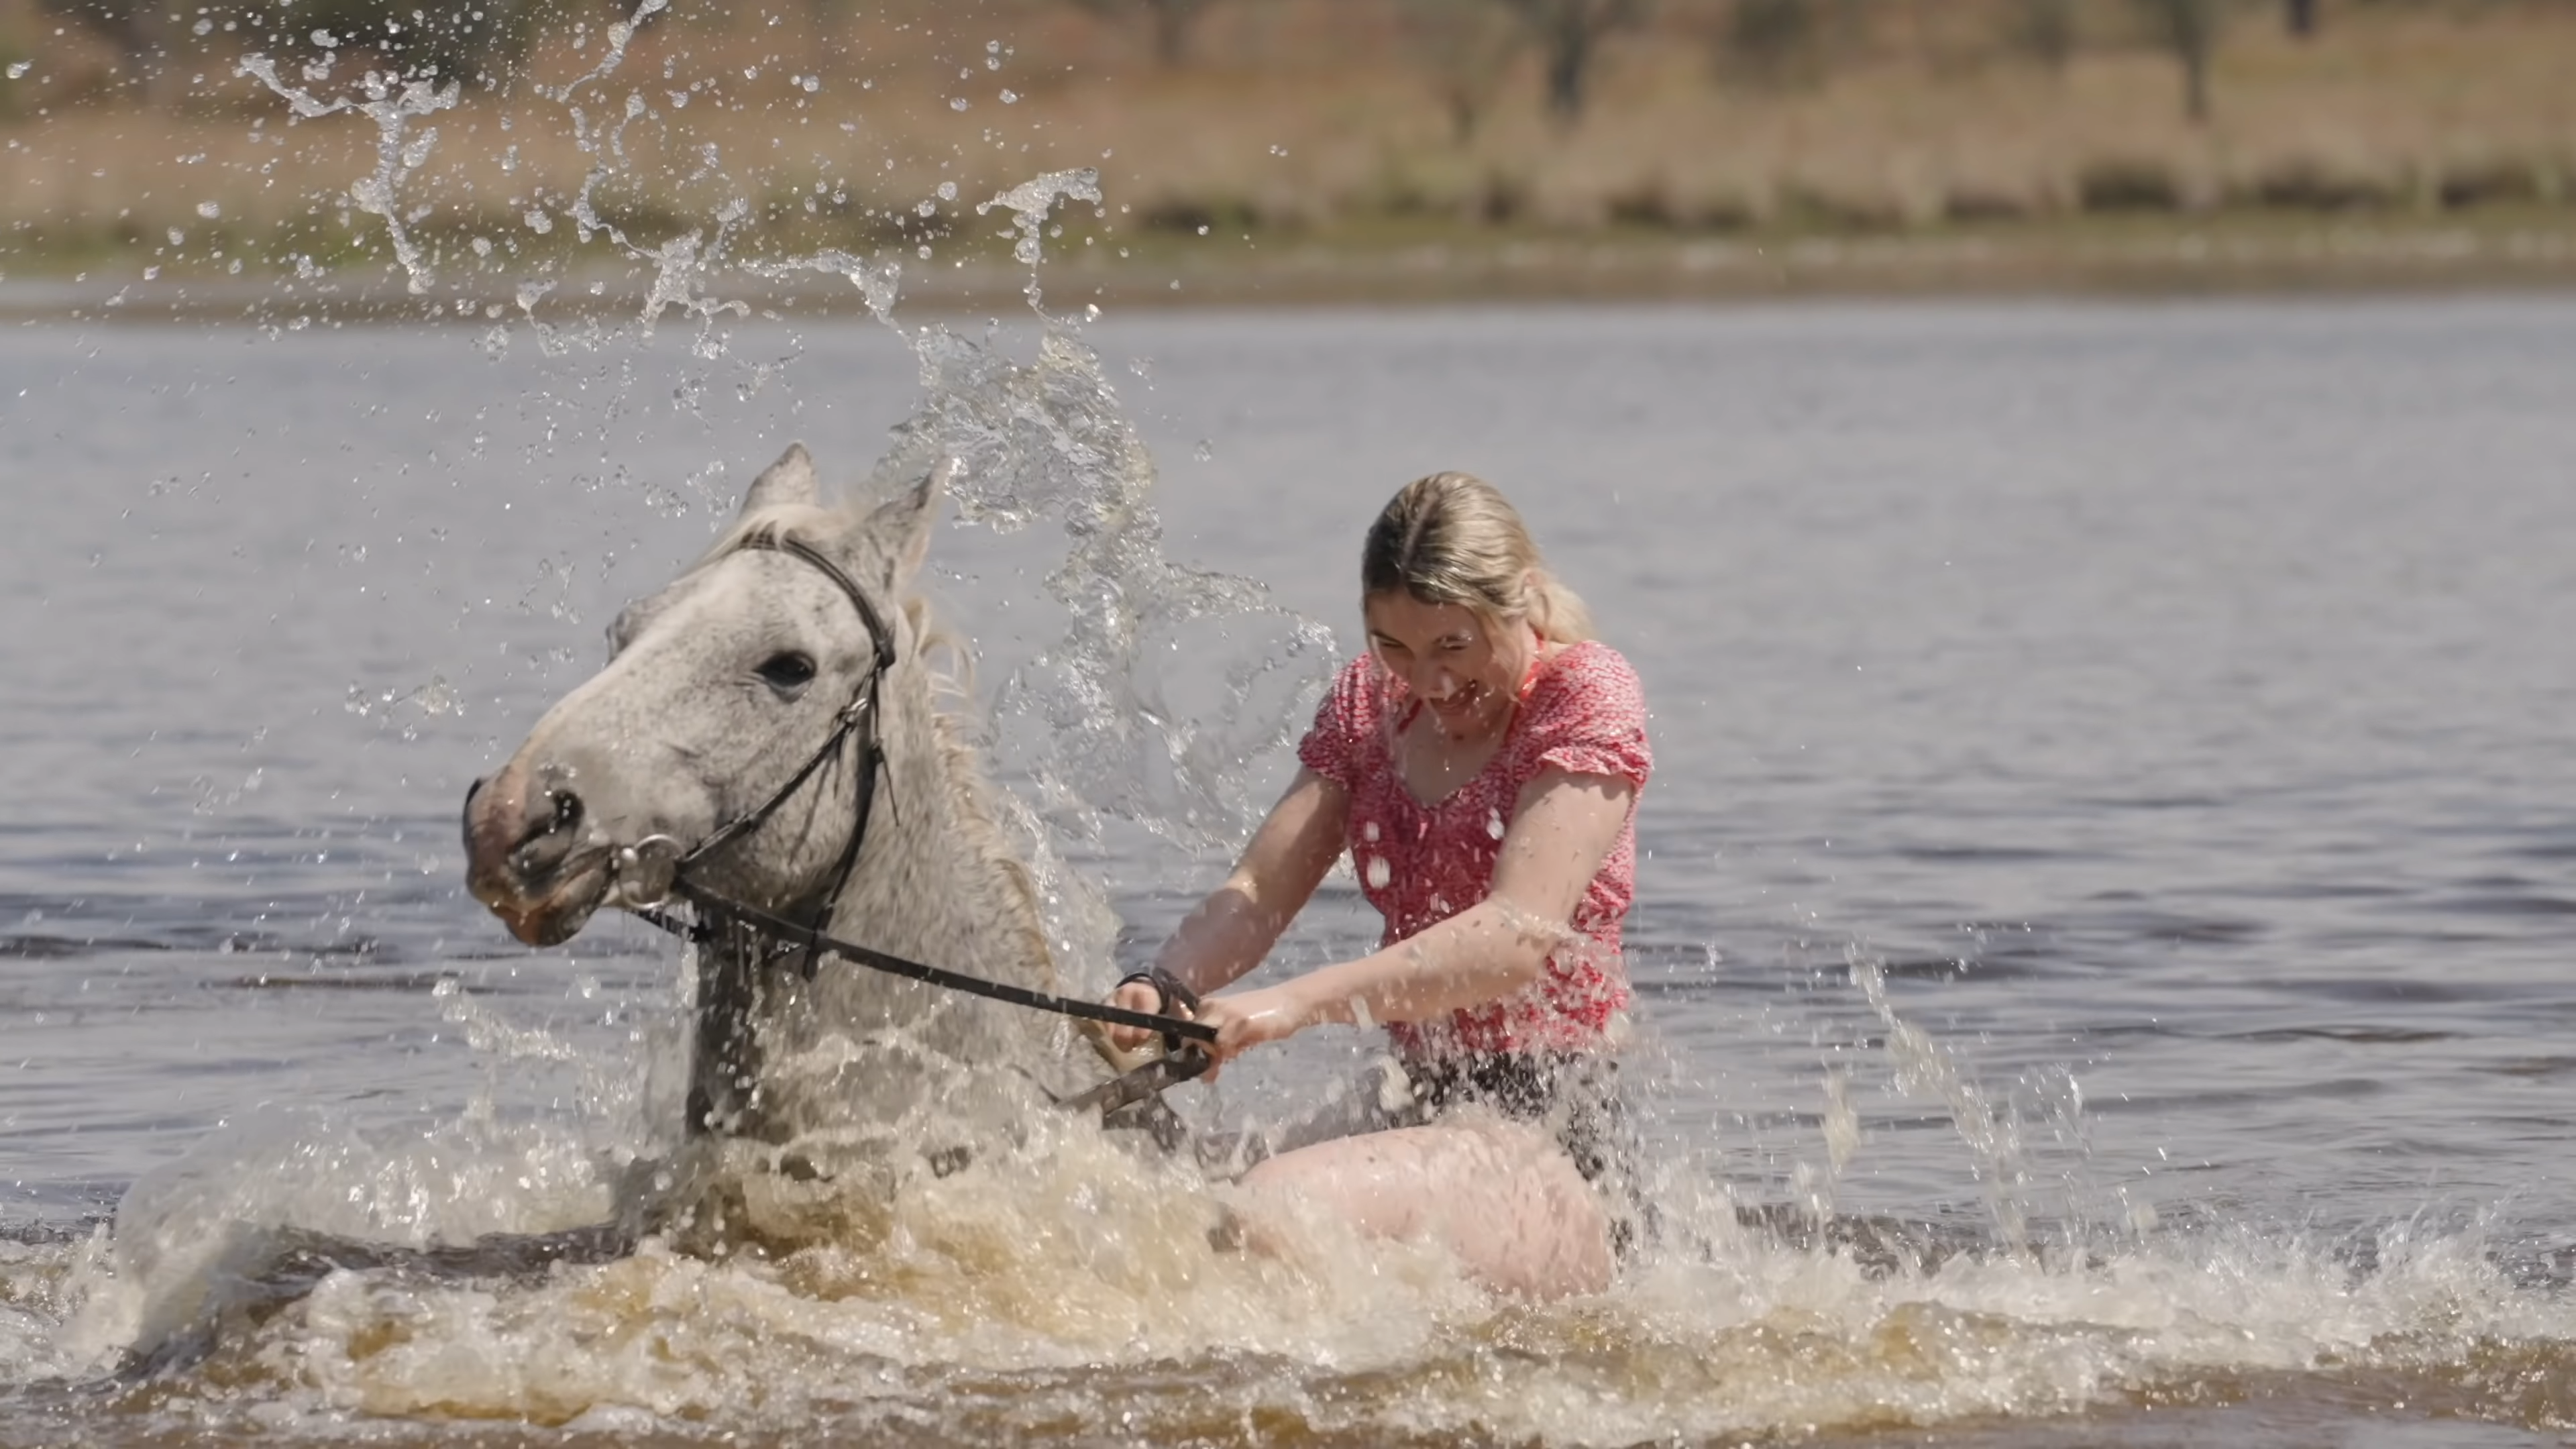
(1339,126)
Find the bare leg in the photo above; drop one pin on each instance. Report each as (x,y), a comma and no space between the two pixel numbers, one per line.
(1500,1195)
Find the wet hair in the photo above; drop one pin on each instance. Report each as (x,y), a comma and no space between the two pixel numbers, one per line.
(1452,538)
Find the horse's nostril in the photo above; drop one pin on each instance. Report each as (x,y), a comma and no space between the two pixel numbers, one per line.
(549,837)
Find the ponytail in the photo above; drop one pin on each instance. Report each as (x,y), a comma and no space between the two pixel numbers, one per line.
(1558,612)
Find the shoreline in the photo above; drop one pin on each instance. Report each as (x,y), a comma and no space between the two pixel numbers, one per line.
(2216,255)
(1311,154)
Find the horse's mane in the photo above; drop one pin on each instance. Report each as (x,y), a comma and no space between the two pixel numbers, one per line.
(768,525)
(948,670)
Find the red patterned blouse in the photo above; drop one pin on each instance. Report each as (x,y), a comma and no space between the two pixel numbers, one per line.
(1420,864)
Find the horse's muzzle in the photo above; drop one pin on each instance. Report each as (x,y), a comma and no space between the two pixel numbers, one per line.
(522,862)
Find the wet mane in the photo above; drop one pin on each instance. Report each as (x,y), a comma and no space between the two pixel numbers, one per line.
(768,525)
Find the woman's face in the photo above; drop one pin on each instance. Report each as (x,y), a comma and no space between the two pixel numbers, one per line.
(1448,659)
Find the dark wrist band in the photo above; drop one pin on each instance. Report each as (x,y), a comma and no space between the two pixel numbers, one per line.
(1168,987)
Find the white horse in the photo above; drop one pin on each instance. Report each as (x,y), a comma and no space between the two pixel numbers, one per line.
(738,728)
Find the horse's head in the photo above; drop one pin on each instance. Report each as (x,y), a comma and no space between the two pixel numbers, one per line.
(718,690)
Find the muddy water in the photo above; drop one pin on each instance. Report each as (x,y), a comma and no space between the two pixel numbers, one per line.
(2102,943)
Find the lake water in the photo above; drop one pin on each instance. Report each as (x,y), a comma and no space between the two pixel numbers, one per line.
(2109,861)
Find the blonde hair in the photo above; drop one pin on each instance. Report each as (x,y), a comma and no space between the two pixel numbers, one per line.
(1452,538)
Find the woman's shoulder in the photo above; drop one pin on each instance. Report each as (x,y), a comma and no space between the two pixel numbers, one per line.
(1358,691)
(1346,721)
(1587,674)
(1586,713)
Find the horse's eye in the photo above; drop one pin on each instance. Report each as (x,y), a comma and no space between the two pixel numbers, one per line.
(788,671)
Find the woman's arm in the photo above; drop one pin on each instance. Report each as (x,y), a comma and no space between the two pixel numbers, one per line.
(1563,827)
(1242,919)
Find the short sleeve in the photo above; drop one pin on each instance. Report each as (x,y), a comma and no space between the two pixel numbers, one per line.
(1586,716)
(1331,745)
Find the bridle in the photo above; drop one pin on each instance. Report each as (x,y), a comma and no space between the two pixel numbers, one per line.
(646,875)
(860,711)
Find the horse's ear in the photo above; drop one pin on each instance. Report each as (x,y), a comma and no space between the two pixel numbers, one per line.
(901,526)
(789,480)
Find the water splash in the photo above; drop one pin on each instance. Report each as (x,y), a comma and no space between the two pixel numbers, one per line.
(879,280)
(1070,1283)
(1924,1067)
(393,102)
(1030,203)
(409,707)
(1048,439)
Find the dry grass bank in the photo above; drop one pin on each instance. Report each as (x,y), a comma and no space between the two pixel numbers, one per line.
(1306,126)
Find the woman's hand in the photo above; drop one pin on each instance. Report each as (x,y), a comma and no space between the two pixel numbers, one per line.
(1246,1019)
(1243,1019)
(1241,920)
(1138,995)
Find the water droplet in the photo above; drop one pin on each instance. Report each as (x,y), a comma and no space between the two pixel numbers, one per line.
(948,191)
(1205,452)
(1010,98)
(1368,832)
(18,68)
(959,104)
(1378,873)
(210,209)
(1278,150)
(1494,823)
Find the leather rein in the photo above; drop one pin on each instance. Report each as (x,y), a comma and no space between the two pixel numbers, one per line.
(651,871)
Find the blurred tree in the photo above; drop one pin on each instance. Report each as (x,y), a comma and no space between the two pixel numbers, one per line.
(1772,42)
(1569,34)
(2043,30)
(2189,29)
(477,40)
(140,34)
(1172,20)
(1468,46)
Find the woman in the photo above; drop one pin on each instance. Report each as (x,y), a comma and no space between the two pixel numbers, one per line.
(1481,764)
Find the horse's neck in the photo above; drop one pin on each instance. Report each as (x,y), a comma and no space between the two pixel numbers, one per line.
(936,880)
(933,882)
